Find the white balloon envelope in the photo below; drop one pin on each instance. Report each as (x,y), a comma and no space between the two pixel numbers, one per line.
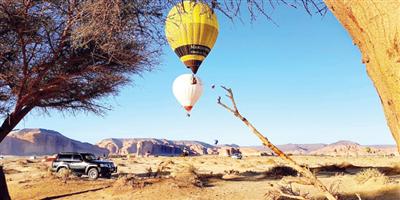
(187,89)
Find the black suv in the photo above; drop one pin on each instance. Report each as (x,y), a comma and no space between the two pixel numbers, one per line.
(83,164)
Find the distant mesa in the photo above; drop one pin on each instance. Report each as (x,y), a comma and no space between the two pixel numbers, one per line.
(28,142)
(151,146)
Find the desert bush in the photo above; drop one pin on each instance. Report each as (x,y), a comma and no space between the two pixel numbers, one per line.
(231,172)
(130,181)
(187,175)
(277,172)
(163,167)
(149,171)
(334,187)
(371,174)
(64,174)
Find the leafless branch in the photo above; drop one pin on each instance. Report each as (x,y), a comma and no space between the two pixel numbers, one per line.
(306,173)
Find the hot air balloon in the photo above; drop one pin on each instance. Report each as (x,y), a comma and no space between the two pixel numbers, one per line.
(187,89)
(191,29)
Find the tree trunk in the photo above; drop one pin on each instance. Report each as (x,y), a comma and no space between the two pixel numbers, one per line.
(12,121)
(8,125)
(374,26)
(4,195)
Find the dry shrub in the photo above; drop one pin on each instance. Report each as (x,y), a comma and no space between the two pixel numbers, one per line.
(343,167)
(163,167)
(334,187)
(231,172)
(277,172)
(64,174)
(149,172)
(131,181)
(187,175)
(371,175)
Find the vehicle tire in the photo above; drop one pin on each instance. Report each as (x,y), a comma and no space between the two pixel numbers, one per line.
(93,173)
(61,171)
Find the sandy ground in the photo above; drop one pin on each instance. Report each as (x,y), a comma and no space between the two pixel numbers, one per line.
(207,177)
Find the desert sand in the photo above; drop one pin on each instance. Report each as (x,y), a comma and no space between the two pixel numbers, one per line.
(207,177)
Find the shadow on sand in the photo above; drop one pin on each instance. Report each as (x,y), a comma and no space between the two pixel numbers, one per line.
(74,193)
(279,172)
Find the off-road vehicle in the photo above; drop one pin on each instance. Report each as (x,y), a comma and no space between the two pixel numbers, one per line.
(236,156)
(83,164)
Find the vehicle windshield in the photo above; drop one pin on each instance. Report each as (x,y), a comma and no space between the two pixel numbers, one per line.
(89,156)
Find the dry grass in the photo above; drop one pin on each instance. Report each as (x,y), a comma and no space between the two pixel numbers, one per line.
(371,175)
(199,178)
(187,175)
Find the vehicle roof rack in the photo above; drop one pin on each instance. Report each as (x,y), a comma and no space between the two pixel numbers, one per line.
(72,152)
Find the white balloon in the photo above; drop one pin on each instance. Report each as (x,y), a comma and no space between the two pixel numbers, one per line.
(187,89)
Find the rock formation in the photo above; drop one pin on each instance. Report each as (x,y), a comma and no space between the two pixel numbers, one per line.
(43,142)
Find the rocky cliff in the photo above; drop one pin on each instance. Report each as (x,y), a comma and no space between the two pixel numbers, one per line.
(349,148)
(143,146)
(46,142)
(43,142)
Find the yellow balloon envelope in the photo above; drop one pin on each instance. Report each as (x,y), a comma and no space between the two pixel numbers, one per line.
(191,29)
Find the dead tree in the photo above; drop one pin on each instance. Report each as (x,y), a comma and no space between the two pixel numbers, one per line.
(302,170)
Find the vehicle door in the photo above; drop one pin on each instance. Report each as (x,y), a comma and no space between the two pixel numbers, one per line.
(63,160)
(77,164)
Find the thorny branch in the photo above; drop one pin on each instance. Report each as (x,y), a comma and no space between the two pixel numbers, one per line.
(306,173)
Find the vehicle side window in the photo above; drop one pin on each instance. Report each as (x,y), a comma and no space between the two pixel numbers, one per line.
(77,158)
(64,157)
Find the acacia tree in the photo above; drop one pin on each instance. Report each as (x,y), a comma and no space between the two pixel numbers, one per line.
(67,55)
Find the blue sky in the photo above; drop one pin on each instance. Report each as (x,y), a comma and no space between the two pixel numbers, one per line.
(301,82)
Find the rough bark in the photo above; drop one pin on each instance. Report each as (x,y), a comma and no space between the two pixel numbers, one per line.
(3,186)
(374,26)
(12,121)
(8,125)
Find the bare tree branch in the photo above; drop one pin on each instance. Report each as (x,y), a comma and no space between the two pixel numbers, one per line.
(302,170)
